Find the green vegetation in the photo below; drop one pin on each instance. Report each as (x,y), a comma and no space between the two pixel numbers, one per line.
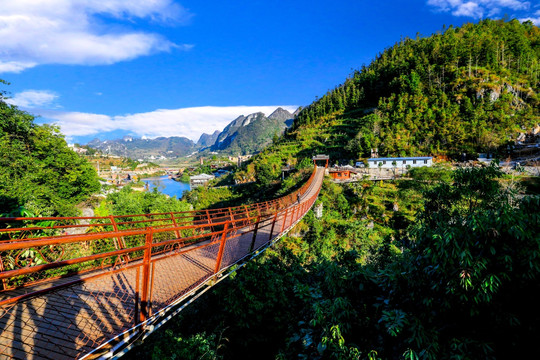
(196,347)
(469,89)
(435,173)
(440,266)
(224,196)
(265,168)
(183,178)
(237,138)
(38,171)
(128,201)
(453,282)
(204,197)
(209,167)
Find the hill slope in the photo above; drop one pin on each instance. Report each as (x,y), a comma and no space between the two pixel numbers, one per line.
(468,89)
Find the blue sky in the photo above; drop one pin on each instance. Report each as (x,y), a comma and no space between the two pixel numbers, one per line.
(101,68)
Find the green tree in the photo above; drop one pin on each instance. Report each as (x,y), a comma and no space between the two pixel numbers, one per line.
(127,202)
(467,89)
(474,259)
(268,169)
(37,169)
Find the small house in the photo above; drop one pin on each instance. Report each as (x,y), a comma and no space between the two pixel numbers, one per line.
(340,174)
(400,162)
(198,180)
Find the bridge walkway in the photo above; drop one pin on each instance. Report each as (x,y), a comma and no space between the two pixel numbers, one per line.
(89,313)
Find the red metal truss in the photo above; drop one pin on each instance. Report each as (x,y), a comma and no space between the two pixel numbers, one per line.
(68,285)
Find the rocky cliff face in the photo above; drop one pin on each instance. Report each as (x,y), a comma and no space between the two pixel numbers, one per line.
(281,114)
(251,133)
(207,140)
(229,133)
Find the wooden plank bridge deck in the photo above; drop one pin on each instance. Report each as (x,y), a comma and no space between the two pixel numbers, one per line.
(72,314)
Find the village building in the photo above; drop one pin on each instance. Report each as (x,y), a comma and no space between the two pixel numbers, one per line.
(199,180)
(398,162)
(340,174)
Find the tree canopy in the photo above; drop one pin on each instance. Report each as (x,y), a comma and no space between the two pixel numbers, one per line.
(467,89)
(38,171)
(470,89)
(454,282)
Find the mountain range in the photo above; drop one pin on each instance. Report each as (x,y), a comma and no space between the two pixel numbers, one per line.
(244,135)
(143,148)
(249,134)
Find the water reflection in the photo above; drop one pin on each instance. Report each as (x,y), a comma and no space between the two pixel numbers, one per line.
(167,186)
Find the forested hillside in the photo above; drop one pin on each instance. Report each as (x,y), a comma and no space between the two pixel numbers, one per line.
(442,266)
(467,89)
(39,174)
(384,274)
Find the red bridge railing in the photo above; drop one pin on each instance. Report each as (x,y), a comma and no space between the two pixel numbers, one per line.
(70,285)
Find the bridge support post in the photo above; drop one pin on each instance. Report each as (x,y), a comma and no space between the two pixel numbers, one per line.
(119,243)
(248,221)
(294,214)
(232,217)
(273,225)
(255,234)
(284,220)
(258,209)
(137,288)
(221,248)
(177,233)
(149,302)
(146,274)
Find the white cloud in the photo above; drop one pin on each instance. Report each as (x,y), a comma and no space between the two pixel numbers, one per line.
(469,9)
(37,32)
(478,8)
(535,18)
(188,122)
(15,66)
(33,98)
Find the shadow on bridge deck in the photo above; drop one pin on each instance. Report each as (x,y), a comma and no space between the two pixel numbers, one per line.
(73,316)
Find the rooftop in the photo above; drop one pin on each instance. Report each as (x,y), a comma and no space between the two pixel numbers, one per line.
(202,177)
(321,157)
(401,158)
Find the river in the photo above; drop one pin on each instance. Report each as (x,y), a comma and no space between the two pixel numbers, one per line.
(167,186)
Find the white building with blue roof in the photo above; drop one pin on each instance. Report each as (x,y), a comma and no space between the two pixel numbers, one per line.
(400,162)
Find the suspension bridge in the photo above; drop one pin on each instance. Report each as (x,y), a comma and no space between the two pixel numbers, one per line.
(90,287)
